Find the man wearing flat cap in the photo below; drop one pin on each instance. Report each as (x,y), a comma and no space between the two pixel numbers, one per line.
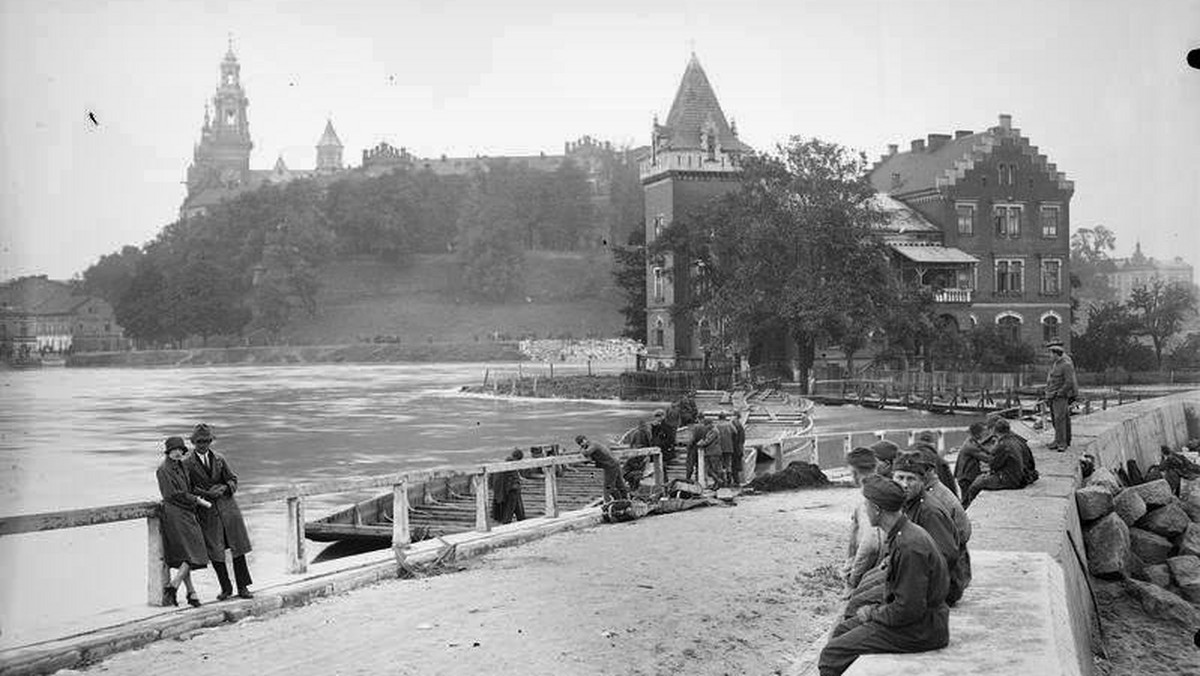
(866,541)
(935,495)
(223,525)
(927,440)
(913,615)
(1061,390)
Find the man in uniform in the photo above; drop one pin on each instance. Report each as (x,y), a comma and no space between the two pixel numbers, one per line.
(971,456)
(866,541)
(913,615)
(936,495)
(223,526)
(1007,469)
(615,487)
(927,439)
(1061,390)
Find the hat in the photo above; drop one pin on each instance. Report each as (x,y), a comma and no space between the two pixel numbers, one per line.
(883,493)
(580,439)
(861,458)
(884,450)
(926,436)
(202,432)
(928,457)
(175,442)
(911,462)
(1055,345)
(658,413)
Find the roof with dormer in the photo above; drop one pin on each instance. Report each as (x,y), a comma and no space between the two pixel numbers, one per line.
(696,108)
(930,169)
(330,137)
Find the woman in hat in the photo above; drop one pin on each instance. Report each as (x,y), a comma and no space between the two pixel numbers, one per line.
(183,541)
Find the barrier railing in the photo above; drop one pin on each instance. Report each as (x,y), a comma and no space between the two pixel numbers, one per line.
(296,560)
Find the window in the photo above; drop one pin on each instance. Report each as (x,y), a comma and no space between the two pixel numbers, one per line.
(1006,174)
(1049,221)
(229,117)
(659,332)
(1010,328)
(658,226)
(1010,276)
(1051,277)
(659,284)
(1050,324)
(965,278)
(1008,220)
(966,219)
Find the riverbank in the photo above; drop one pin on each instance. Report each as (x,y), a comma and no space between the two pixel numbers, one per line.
(307,354)
(557,387)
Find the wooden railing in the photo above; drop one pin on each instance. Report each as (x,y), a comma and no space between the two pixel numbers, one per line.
(296,558)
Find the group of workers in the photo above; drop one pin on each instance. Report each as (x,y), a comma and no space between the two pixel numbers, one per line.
(722,443)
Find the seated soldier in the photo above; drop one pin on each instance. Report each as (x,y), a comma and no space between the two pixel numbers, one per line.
(866,541)
(937,495)
(913,616)
(927,439)
(1007,469)
(971,458)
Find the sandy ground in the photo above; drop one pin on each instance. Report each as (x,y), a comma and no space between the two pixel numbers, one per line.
(1137,643)
(712,591)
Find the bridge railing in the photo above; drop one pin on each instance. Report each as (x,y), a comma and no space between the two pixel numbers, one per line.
(294,497)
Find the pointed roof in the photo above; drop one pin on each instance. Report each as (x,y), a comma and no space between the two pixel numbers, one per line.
(695,108)
(330,137)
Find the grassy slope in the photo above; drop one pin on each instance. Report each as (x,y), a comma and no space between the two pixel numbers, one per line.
(362,298)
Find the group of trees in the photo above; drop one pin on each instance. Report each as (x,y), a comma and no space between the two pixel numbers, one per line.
(252,262)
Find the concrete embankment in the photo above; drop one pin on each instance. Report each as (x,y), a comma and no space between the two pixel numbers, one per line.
(1032,541)
(306,354)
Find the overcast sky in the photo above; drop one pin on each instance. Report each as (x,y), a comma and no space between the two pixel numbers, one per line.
(1101,87)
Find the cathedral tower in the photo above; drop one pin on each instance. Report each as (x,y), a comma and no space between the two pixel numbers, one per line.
(329,150)
(222,158)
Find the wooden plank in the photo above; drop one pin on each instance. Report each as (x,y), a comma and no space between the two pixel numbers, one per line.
(400,528)
(157,574)
(75,518)
(551,482)
(295,557)
(479,481)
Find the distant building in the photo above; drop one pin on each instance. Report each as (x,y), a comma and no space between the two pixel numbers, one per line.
(1138,270)
(40,315)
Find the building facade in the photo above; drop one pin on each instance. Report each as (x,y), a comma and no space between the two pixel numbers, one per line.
(995,198)
(1138,270)
(693,158)
(40,315)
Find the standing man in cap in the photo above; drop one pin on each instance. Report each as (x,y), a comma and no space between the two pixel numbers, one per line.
(913,616)
(1061,390)
(223,526)
(615,487)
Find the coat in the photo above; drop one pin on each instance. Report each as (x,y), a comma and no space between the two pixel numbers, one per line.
(223,525)
(183,541)
(970,456)
(1060,381)
(726,433)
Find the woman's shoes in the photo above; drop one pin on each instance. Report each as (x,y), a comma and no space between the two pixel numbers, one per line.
(193,600)
(168,598)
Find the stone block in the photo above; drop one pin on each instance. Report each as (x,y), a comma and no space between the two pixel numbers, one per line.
(1186,571)
(1104,476)
(1189,542)
(1155,493)
(1108,545)
(1162,604)
(1149,547)
(1093,502)
(1159,574)
(1130,506)
(1167,521)
(1189,495)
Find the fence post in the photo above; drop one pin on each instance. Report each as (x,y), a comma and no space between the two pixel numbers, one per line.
(401,535)
(881,435)
(912,436)
(660,471)
(479,483)
(701,473)
(779,454)
(941,440)
(297,561)
(157,575)
(549,474)
(848,444)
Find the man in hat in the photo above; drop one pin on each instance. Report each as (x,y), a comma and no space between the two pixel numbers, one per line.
(866,541)
(615,487)
(885,452)
(971,456)
(935,495)
(1061,390)
(927,440)
(642,437)
(1007,469)
(912,616)
(223,526)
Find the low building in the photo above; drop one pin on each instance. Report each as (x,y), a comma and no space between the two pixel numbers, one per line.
(40,315)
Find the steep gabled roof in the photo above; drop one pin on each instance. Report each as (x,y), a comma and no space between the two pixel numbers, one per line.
(695,108)
(330,137)
(927,169)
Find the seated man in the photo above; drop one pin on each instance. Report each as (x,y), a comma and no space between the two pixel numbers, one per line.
(936,495)
(971,458)
(866,541)
(913,616)
(1008,469)
(927,439)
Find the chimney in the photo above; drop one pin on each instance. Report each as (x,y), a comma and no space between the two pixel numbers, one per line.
(962,132)
(893,148)
(918,145)
(1005,121)
(937,141)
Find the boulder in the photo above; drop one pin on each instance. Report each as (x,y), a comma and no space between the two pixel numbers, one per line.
(1162,604)
(1130,506)
(1105,477)
(1135,567)
(1189,542)
(1189,495)
(1186,571)
(1155,493)
(1167,521)
(1159,574)
(1094,502)
(1107,543)
(1149,547)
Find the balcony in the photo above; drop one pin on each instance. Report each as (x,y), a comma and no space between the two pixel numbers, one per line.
(953,295)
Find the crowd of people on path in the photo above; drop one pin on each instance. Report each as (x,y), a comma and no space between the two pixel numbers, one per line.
(200,518)
(908,560)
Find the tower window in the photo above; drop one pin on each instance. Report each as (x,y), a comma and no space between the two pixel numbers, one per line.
(230,117)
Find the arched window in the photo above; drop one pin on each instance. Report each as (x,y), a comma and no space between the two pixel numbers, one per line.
(1051,323)
(1010,327)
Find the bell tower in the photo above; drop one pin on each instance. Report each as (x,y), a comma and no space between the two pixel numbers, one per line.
(222,158)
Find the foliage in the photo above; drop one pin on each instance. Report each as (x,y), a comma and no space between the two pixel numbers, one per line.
(1160,309)
(629,272)
(489,248)
(1109,340)
(1090,260)
(1186,354)
(994,352)
(111,276)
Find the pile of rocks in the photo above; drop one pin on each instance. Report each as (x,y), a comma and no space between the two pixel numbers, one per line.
(609,349)
(1146,531)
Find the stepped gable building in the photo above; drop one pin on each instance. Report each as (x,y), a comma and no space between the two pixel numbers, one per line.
(39,315)
(693,158)
(1138,270)
(1002,210)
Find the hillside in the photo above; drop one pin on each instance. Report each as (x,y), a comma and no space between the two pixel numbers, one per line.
(566,295)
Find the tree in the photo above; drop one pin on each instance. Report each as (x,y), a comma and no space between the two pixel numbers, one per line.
(110,277)
(792,249)
(1160,309)
(993,351)
(629,272)
(1090,260)
(1109,339)
(489,249)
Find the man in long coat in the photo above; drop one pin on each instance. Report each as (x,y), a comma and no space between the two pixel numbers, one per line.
(913,616)
(223,526)
(1061,390)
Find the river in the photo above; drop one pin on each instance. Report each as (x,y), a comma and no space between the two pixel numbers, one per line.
(74,438)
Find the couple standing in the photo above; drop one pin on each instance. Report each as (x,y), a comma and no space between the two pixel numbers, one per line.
(200,518)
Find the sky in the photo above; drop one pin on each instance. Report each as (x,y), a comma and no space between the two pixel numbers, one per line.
(1100,86)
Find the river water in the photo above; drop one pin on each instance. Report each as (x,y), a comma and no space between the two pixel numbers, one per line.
(74,438)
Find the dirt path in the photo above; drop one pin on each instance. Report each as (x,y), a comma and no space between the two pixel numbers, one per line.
(718,590)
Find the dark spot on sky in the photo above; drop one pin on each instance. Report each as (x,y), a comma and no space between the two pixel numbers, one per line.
(92,117)
(1193,60)
(391,79)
